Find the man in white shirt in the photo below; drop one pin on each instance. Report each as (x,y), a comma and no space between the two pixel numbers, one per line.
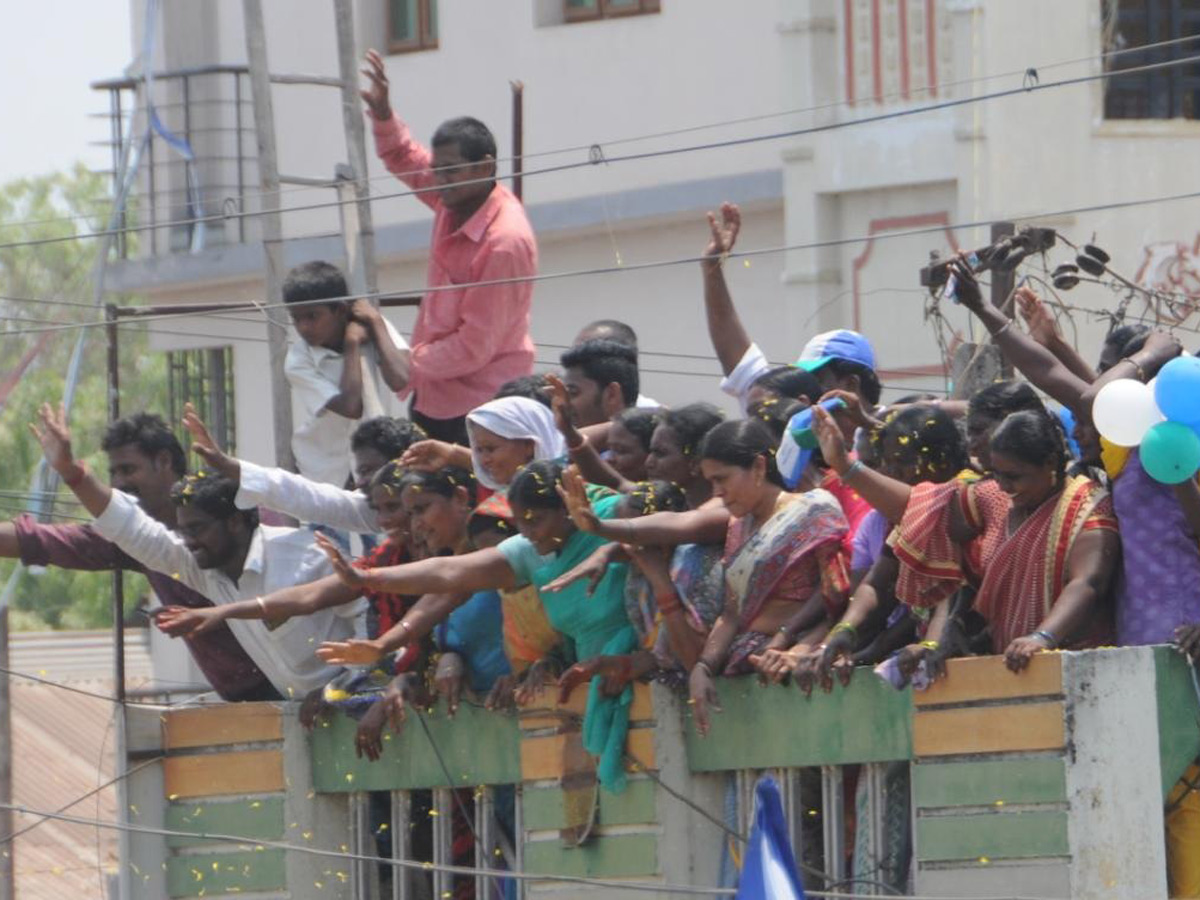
(222,553)
(839,360)
(347,367)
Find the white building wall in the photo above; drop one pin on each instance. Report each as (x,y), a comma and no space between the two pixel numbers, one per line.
(1010,158)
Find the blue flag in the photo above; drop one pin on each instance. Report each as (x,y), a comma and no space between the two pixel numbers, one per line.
(769,871)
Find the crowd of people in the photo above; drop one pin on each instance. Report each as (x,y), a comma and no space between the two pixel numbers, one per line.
(518,531)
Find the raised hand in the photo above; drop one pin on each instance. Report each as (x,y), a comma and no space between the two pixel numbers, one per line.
(831,440)
(1042,325)
(574,494)
(204,446)
(967,286)
(561,406)
(375,95)
(725,232)
(354,652)
(349,575)
(55,438)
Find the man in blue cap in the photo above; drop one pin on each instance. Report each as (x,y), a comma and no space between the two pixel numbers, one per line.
(840,360)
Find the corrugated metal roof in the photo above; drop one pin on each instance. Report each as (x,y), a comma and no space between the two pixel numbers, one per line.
(59,655)
(62,749)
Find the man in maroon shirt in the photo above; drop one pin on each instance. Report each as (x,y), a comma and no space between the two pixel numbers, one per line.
(144,460)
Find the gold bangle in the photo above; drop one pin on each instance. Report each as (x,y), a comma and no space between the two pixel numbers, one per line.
(1141,373)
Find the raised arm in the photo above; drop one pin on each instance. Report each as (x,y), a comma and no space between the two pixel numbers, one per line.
(404,157)
(583,452)
(309,501)
(725,329)
(1044,329)
(1043,369)
(118,516)
(886,494)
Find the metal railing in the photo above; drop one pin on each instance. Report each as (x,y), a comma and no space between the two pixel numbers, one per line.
(209,107)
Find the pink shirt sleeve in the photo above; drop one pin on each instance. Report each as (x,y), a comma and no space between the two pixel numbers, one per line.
(407,159)
(488,314)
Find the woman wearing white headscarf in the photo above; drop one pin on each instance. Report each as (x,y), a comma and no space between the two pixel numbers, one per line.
(505,435)
(509,433)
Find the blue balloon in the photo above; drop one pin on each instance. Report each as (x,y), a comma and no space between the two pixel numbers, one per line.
(1177,391)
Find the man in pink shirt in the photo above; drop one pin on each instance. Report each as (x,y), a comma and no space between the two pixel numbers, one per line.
(467,340)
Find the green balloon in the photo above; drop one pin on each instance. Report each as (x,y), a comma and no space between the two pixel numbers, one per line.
(1170,452)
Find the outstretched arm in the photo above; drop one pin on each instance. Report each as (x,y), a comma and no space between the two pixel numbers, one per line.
(299,600)
(404,157)
(482,570)
(698,526)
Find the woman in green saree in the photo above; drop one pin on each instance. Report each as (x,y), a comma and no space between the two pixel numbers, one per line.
(548,546)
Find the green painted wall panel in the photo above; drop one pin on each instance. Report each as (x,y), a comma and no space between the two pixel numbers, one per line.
(188,876)
(604,856)
(986,783)
(1178,715)
(992,835)
(777,725)
(258,820)
(543,807)
(478,747)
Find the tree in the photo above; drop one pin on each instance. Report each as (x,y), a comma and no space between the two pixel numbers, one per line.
(45,293)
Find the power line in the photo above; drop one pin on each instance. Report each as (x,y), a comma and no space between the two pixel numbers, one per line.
(657,264)
(631,157)
(933,89)
(413,865)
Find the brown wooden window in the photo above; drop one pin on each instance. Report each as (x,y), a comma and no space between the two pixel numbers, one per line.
(1168,93)
(587,10)
(412,25)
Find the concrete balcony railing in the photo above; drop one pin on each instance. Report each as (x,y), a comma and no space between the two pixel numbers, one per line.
(1029,784)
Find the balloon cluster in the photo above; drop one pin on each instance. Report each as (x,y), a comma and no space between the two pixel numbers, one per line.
(1161,419)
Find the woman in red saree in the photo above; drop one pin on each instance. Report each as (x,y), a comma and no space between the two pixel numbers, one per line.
(1046,584)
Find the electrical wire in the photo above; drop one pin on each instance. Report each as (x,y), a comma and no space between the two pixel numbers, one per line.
(657,264)
(632,157)
(413,865)
(933,89)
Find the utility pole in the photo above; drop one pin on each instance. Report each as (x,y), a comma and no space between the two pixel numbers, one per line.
(272,228)
(357,227)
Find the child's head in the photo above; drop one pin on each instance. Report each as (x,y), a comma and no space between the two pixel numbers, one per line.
(319,324)
(491,522)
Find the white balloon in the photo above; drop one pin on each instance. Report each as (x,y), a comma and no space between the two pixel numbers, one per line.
(1124,410)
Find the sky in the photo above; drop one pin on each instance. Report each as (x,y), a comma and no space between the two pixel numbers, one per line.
(50,51)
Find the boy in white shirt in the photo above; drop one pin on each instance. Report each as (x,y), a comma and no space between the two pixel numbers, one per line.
(347,367)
